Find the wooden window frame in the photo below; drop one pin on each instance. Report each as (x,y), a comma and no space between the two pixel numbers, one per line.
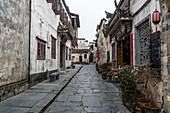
(41,49)
(69,54)
(53,47)
(66,53)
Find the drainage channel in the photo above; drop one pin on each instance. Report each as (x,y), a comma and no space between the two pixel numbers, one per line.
(43,110)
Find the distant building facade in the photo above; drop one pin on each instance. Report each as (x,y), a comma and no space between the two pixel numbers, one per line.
(81,55)
(93,49)
(82,43)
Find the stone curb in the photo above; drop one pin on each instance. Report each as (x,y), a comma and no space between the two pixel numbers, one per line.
(45,102)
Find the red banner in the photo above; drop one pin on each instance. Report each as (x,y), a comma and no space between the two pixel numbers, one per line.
(73,45)
(116,52)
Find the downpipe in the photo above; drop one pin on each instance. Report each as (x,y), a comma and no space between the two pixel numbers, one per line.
(162,110)
(29,62)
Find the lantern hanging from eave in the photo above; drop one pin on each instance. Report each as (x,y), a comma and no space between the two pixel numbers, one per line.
(156,17)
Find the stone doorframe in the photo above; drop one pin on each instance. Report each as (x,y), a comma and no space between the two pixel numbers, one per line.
(136,38)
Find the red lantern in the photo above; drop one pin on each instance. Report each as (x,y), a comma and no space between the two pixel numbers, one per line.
(156,18)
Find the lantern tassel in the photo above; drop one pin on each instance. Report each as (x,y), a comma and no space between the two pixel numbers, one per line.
(156,31)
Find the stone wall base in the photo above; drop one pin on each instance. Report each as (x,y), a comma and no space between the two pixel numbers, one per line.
(19,87)
(39,77)
(13,89)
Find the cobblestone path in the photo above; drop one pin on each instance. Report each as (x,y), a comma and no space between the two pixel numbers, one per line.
(88,93)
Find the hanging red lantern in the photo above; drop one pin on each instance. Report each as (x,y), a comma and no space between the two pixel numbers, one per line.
(156,18)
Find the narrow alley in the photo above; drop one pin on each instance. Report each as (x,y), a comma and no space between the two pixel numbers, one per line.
(80,56)
(87,92)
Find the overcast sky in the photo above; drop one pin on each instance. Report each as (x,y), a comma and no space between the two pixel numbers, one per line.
(90,12)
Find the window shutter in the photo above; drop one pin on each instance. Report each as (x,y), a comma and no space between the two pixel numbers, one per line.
(53,48)
(41,50)
(168,4)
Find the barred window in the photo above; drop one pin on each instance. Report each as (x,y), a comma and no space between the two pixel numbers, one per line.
(53,48)
(41,45)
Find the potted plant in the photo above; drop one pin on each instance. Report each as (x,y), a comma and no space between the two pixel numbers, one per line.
(127,79)
(143,75)
(131,104)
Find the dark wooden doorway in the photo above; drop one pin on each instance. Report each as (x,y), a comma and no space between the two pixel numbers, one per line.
(119,54)
(80,59)
(126,51)
(62,56)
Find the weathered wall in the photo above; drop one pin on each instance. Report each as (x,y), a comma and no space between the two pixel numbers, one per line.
(166,54)
(68,61)
(94,50)
(109,48)
(43,22)
(94,53)
(82,44)
(102,46)
(14,46)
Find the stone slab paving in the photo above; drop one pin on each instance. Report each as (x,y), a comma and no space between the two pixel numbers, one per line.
(88,93)
(38,97)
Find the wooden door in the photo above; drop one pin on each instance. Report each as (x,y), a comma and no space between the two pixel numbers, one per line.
(61,56)
(80,58)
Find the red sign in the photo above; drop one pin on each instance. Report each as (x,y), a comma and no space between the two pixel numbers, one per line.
(116,51)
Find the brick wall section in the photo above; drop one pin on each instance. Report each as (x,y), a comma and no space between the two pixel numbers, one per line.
(14,46)
(166,54)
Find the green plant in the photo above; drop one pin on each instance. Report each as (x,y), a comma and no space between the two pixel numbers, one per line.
(104,77)
(131,103)
(127,77)
(106,67)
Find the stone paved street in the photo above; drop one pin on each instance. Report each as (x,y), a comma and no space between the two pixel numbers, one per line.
(87,92)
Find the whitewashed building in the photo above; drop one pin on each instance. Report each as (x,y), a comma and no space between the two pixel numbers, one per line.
(52,38)
(102,43)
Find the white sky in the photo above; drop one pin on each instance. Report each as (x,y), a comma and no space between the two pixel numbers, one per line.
(90,12)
